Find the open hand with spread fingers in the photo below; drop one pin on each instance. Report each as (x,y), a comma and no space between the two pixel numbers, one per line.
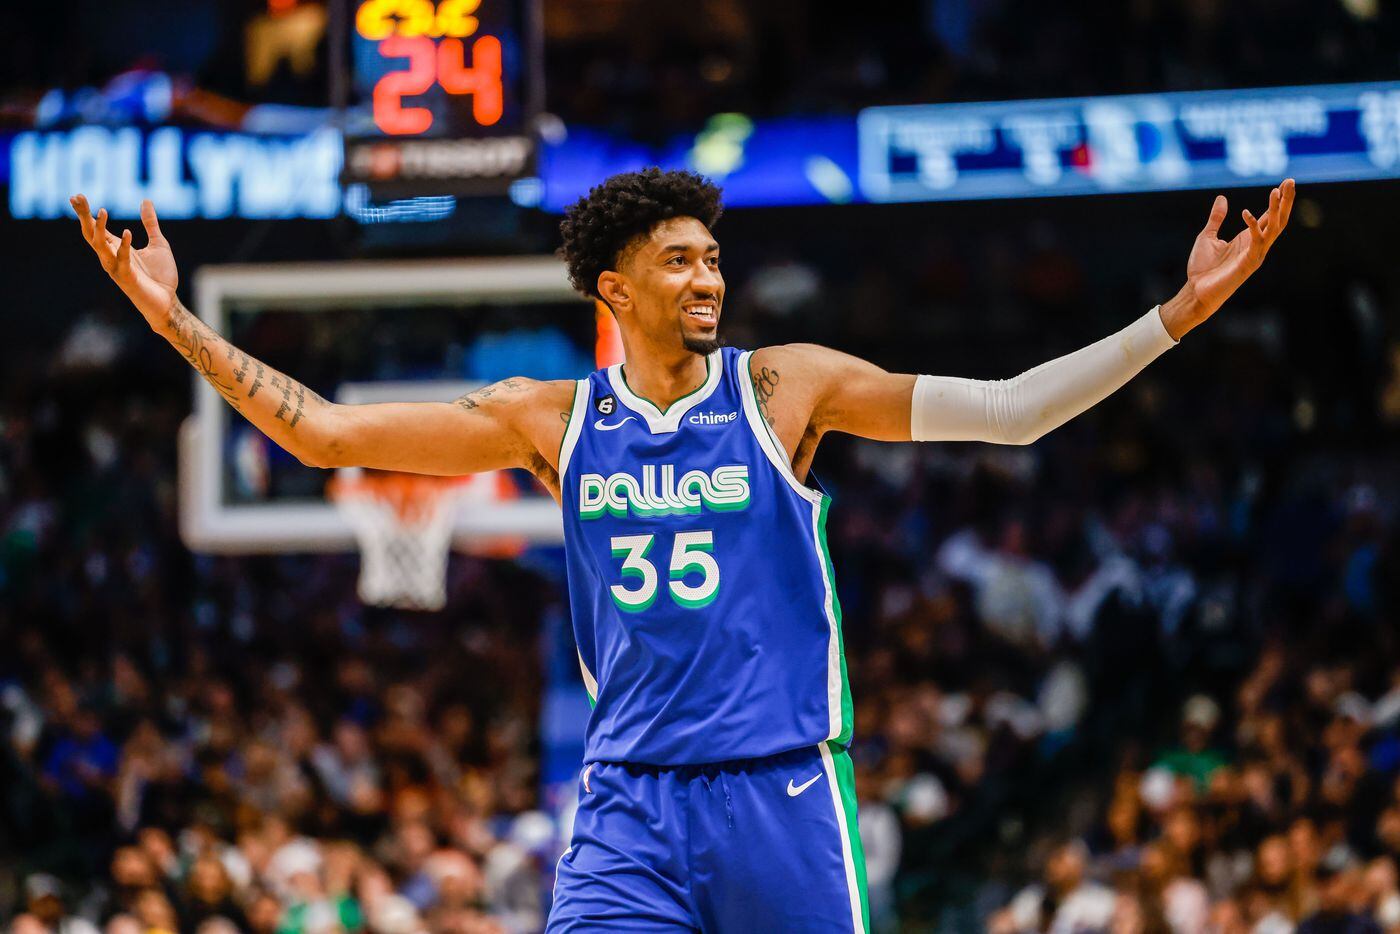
(1216,268)
(148,276)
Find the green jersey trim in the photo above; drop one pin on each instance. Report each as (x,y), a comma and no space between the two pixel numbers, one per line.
(841,778)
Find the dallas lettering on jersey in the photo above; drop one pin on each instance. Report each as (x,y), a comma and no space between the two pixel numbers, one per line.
(724,489)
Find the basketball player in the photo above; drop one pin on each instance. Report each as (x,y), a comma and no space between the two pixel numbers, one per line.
(717,793)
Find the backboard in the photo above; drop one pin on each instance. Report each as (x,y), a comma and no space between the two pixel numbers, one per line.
(360,332)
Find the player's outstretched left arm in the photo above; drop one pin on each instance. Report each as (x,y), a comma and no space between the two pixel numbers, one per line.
(806,390)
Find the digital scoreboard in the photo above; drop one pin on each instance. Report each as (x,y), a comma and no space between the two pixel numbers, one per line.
(1136,142)
(444,95)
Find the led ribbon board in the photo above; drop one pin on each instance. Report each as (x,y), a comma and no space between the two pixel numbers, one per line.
(1011,149)
(1144,142)
(448,91)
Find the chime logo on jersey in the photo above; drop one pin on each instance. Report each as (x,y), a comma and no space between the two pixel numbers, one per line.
(658,493)
(712,418)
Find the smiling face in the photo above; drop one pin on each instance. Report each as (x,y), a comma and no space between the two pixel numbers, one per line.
(668,288)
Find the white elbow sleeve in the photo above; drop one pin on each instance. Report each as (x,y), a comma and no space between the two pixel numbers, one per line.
(1019,410)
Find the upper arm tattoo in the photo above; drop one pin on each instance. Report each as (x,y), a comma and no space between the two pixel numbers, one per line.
(473,399)
(765,385)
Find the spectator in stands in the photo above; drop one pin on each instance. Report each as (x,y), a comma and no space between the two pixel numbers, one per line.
(47,911)
(209,894)
(1067,901)
(1340,908)
(1193,757)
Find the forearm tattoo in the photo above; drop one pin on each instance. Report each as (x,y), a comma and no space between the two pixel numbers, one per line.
(288,386)
(765,384)
(199,343)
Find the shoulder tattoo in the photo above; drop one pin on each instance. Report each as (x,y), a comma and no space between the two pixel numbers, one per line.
(765,385)
(476,397)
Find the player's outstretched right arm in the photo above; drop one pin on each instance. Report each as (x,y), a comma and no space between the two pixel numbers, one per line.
(505,425)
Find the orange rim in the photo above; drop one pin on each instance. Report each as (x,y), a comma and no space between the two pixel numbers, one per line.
(411,496)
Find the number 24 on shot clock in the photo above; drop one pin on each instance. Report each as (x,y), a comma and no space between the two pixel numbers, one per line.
(433,38)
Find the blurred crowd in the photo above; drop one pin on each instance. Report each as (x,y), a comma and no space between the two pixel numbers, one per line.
(1279,813)
(261,753)
(1140,668)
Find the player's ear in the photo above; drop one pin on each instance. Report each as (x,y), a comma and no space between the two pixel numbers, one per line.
(614,289)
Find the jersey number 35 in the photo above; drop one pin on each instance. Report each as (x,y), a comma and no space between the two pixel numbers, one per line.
(690,555)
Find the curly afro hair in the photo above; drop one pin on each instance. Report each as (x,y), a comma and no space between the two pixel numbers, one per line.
(600,225)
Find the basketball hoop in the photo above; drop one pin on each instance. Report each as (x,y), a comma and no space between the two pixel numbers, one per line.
(403,523)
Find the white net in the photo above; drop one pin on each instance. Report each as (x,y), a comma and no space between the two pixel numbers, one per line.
(404,527)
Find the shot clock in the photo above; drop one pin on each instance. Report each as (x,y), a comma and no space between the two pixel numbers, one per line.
(446,95)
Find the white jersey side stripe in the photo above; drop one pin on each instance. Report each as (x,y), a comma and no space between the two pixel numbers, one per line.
(577,415)
(590,683)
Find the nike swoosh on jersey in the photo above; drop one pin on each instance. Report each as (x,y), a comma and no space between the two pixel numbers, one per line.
(794,792)
(601,427)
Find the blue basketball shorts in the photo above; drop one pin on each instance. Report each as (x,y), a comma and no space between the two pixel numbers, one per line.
(751,845)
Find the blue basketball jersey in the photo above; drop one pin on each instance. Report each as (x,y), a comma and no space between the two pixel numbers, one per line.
(703,601)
